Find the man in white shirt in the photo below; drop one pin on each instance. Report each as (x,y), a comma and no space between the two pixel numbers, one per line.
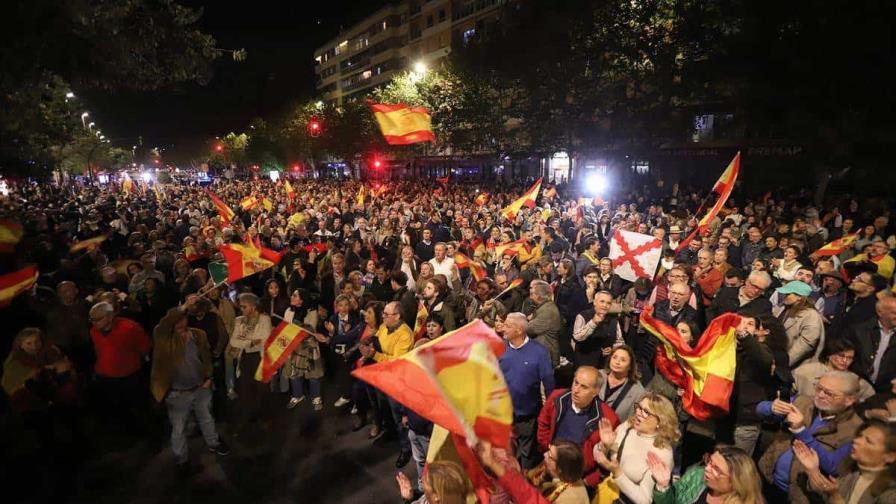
(443,265)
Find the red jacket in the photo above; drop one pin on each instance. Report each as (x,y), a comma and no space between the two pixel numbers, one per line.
(709,283)
(558,403)
(120,352)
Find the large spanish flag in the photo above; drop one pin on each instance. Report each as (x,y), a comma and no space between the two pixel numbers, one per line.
(224,211)
(13,284)
(266,253)
(837,246)
(528,200)
(249,202)
(290,192)
(277,348)
(453,381)
(420,322)
(10,234)
(243,261)
(705,372)
(403,125)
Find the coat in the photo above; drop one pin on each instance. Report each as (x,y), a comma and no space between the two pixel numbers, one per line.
(169,351)
(546,326)
(727,301)
(559,402)
(805,335)
(839,430)
(866,338)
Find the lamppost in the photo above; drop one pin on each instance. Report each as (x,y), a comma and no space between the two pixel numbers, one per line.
(84,119)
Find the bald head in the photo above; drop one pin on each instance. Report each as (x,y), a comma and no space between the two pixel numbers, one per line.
(679,293)
(585,386)
(886,311)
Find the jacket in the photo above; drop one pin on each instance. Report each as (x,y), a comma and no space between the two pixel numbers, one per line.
(169,351)
(882,489)
(545,327)
(839,430)
(866,338)
(408,305)
(684,491)
(727,301)
(522,492)
(805,335)
(558,403)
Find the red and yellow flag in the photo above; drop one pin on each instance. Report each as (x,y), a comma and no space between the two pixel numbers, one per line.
(443,180)
(550,193)
(243,261)
(362,192)
(88,243)
(528,200)
(705,372)
(267,204)
(476,269)
(517,247)
(403,125)
(127,185)
(13,284)
(266,253)
(453,381)
(249,202)
(837,246)
(476,246)
(420,322)
(224,211)
(277,348)
(290,192)
(482,199)
(10,234)
(725,184)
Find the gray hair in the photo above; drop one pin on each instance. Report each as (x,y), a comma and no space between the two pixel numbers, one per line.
(760,275)
(542,289)
(517,319)
(248,297)
(849,379)
(102,309)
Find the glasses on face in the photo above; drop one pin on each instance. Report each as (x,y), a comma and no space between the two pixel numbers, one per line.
(386,314)
(844,357)
(819,389)
(712,468)
(642,412)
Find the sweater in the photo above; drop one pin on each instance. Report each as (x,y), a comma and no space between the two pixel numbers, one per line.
(119,352)
(634,479)
(394,344)
(684,491)
(526,369)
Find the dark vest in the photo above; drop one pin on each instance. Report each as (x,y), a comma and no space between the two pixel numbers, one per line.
(604,335)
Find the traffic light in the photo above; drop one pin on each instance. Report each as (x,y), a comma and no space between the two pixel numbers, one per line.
(377,164)
(296,168)
(219,148)
(314,127)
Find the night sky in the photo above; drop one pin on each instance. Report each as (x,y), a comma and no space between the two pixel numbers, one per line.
(280,38)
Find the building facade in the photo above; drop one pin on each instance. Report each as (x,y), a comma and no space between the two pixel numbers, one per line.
(398,37)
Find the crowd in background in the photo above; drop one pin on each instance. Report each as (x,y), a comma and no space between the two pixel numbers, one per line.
(138,319)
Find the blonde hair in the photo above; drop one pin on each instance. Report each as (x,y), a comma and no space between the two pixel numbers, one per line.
(448,481)
(745,482)
(667,433)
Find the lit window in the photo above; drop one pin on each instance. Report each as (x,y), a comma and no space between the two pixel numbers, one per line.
(318,60)
(384,25)
(641,167)
(366,74)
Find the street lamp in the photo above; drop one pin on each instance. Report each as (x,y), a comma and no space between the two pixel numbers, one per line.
(420,67)
(84,118)
(69,96)
(91,125)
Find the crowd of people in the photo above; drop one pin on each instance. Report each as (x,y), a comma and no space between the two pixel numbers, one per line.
(138,318)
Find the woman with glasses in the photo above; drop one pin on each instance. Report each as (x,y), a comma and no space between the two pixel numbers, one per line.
(560,481)
(251,329)
(838,355)
(651,431)
(870,475)
(728,475)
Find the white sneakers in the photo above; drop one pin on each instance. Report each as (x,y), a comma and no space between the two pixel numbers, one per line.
(318,404)
(342,401)
(294,402)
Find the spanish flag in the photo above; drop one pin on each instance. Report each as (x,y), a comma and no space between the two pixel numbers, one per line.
(517,248)
(296,219)
(361,193)
(528,199)
(476,246)
(705,372)
(267,204)
(88,243)
(443,180)
(243,261)
(249,202)
(420,322)
(550,193)
(224,211)
(482,199)
(13,284)
(278,347)
(403,125)
(453,381)
(266,253)
(837,246)
(724,184)
(10,234)
(290,192)
(476,269)
(450,447)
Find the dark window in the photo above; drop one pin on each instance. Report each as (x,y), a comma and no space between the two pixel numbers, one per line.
(429,21)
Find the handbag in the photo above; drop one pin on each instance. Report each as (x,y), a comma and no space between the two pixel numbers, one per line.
(608,491)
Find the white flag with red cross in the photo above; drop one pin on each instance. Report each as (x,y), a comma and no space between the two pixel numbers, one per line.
(634,255)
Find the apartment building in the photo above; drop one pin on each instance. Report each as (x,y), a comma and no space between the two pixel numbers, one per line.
(397,37)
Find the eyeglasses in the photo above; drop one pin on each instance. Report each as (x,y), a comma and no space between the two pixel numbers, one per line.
(389,314)
(712,468)
(641,411)
(827,392)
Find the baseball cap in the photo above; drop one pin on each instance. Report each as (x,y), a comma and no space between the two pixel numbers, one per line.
(795,287)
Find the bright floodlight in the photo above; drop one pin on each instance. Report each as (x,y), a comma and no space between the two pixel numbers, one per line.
(595,183)
(146,176)
(420,67)
(69,95)
(275,175)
